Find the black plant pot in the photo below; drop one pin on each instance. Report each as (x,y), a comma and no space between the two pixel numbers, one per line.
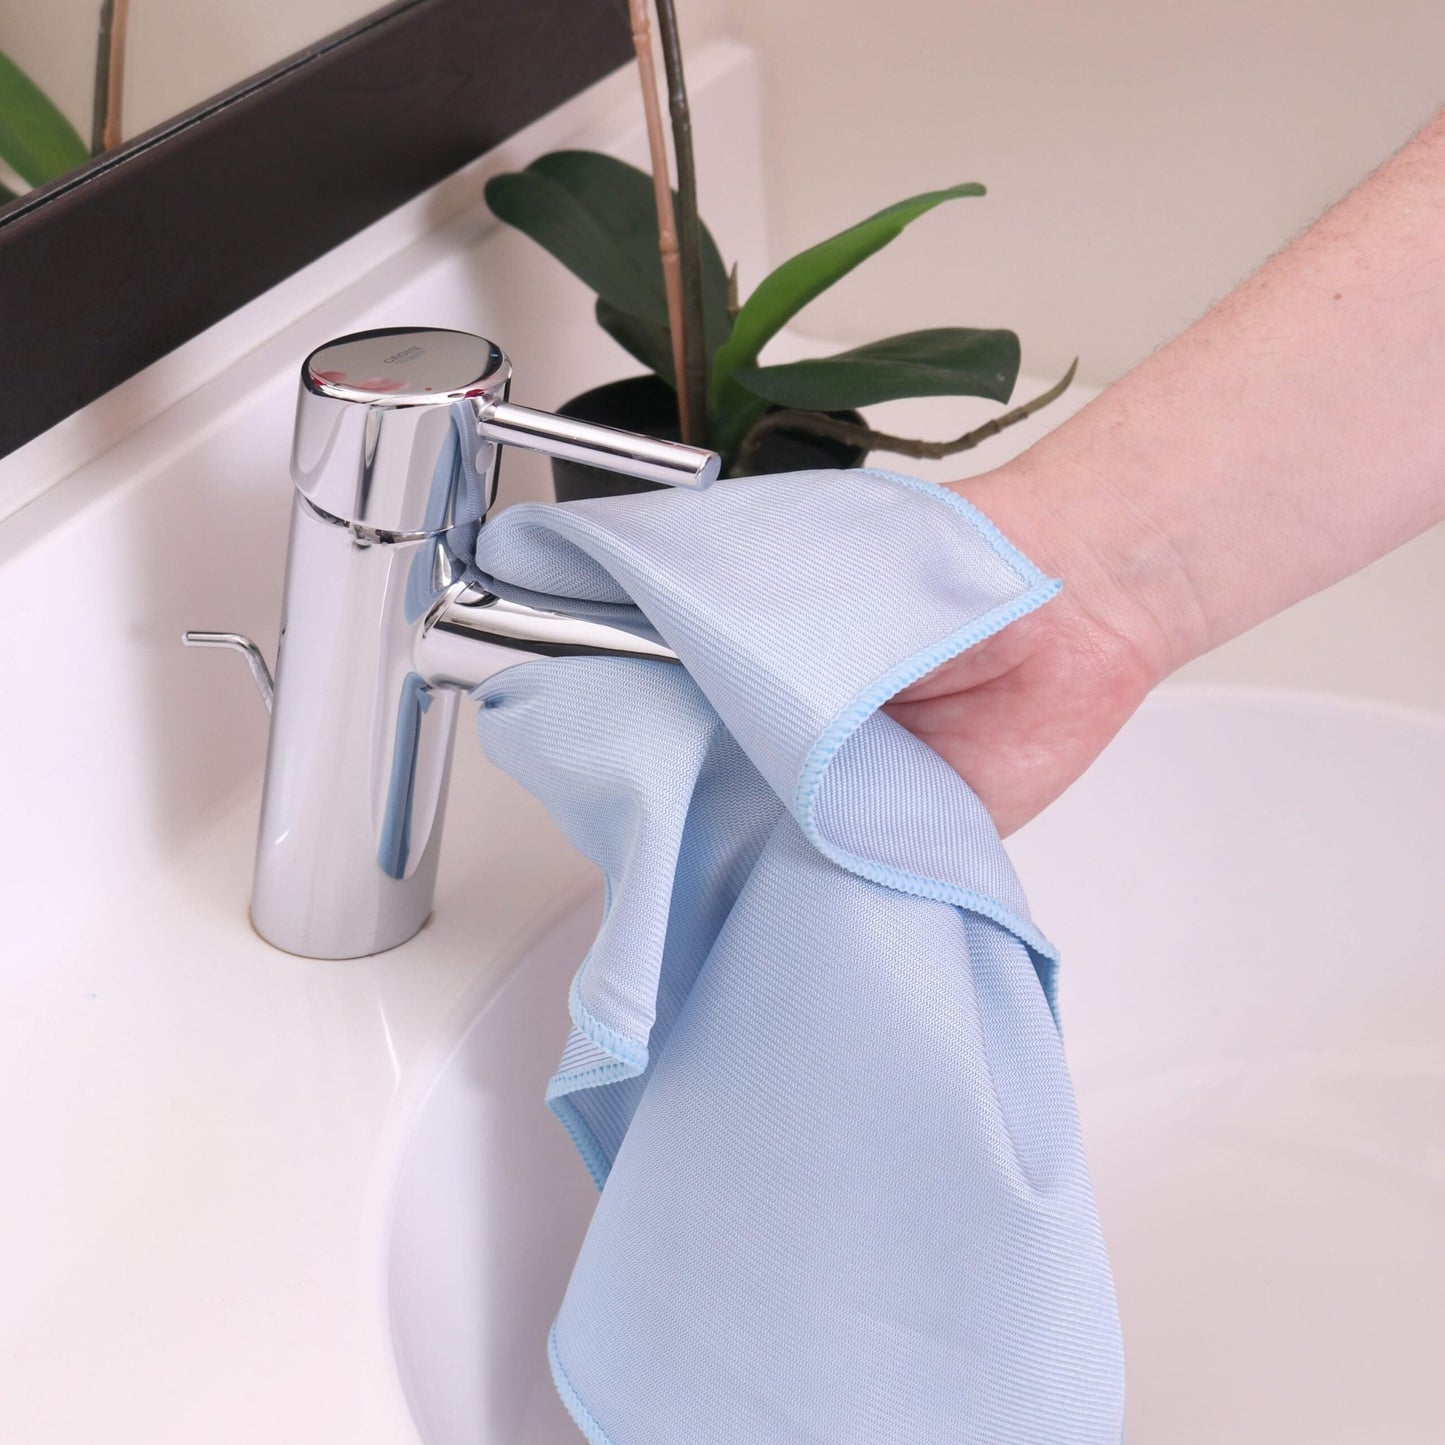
(648,405)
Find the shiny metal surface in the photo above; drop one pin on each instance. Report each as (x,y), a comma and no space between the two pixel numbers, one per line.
(248,649)
(474,635)
(360,747)
(395,463)
(386,436)
(670,463)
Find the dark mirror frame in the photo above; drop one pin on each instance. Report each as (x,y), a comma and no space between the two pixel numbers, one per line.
(105,270)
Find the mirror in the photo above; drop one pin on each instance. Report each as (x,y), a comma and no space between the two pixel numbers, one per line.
(80,77)
(208,197)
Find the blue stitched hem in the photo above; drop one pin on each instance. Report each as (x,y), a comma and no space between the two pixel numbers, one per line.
(981,524)
(629,1051)
(629,1059)
(593,1076)
(584,1141)
(859,711)
(586,1422)
(1040,589)
(558,1100)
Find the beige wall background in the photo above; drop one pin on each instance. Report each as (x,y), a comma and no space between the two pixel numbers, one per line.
(1141,156)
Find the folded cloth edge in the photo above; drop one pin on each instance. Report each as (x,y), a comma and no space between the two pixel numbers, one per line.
(625,1057)
(1042,589)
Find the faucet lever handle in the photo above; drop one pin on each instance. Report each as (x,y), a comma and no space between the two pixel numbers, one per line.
(672,463)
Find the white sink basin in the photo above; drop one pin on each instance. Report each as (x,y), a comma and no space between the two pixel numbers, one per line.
(490,1208)
(1248,894)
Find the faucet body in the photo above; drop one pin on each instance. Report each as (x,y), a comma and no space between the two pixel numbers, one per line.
(397,441)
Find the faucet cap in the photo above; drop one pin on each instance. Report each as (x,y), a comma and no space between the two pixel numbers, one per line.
(406,366)
(384,433)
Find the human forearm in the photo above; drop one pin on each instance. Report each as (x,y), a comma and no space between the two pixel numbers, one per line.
(1291,436)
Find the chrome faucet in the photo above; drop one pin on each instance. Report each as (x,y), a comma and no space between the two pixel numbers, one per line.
(398,434)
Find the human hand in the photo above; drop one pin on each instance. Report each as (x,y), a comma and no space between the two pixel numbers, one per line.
(1023,714)
(1242,467)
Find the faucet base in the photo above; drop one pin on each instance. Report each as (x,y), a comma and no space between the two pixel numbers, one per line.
(360,749)
(310,952)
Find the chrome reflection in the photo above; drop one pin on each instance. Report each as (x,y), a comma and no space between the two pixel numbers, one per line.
(395,461)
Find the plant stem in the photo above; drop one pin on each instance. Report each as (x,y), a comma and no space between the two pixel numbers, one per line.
(689,227)
(821,424)
(109,76)
(666,223)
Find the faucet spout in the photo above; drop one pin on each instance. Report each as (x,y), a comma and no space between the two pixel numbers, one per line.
(473,634)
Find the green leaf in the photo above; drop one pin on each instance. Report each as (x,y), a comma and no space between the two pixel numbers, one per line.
(650,343)
(946,361)
(598,217)
(35,138)
(733,413)
(783,293)
(552,216)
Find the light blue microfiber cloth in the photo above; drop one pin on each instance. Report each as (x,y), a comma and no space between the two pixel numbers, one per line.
(815,1064)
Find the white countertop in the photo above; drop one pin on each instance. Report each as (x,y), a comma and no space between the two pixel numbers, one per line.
(201,1134)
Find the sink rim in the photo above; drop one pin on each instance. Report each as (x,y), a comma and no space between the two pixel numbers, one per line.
(472,1010)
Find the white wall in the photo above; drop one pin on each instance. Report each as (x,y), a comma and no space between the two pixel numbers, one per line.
(184,51)
(1142,155)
